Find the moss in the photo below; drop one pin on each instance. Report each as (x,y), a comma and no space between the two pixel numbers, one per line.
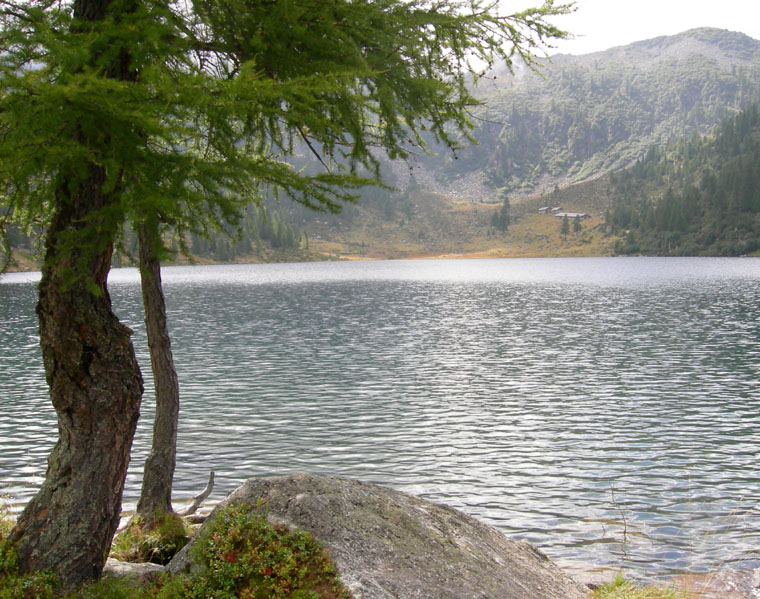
(158,544)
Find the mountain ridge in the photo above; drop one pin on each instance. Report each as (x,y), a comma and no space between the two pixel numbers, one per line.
(738,45)
(587,115)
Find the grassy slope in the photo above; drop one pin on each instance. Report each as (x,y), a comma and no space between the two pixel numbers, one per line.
(443,227)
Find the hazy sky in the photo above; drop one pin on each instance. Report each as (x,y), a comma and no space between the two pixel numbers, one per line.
(602,24)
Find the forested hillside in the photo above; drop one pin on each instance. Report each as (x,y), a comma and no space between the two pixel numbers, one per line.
(581,118)
(700,196)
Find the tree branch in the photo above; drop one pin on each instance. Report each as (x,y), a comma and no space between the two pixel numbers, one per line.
(198,499)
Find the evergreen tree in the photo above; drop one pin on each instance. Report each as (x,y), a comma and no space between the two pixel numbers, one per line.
(143,111)
(565,227)
(577,227)
(500,219)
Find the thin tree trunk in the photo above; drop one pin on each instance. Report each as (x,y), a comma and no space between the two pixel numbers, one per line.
(155,498)
(95,387)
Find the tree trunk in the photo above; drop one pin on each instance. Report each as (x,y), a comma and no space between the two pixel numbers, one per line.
(155,498)
(96,388)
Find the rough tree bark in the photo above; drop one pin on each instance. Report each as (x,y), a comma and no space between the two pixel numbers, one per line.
(155,497)
(91,370)
(95,387)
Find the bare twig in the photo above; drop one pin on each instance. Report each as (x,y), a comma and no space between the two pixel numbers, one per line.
(622,514)
(311,147)
(198,499)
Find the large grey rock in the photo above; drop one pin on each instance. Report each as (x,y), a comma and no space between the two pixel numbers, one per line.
(387,544)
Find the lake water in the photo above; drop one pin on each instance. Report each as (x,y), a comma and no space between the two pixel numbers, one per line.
(604,409)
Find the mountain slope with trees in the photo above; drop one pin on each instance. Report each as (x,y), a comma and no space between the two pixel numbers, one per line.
(699,196)
(582,119)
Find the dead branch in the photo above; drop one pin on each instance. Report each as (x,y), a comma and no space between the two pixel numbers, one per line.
(198,499)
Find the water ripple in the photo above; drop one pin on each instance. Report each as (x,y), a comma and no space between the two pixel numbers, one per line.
(603,409)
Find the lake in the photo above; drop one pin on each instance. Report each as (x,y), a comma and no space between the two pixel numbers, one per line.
(605,409)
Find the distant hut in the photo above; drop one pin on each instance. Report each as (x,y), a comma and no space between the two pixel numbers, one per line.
(572,215)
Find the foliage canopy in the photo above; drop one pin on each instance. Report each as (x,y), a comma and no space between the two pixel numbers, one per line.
(190,109)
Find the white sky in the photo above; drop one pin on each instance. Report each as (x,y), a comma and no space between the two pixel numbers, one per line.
(602,24)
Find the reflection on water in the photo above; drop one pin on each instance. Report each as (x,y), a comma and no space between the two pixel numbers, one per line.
(605,409)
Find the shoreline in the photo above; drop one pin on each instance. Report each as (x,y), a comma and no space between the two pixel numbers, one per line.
(714,584)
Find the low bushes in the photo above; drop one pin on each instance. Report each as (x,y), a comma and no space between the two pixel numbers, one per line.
(240,555)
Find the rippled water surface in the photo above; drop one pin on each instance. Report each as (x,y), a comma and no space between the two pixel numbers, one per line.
(605,409)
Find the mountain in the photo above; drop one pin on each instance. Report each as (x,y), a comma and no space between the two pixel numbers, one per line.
(561,134)
(583,116)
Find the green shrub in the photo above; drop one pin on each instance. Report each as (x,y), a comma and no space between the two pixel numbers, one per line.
(158,544)
(7,553)
(35,585)
(107,588)
(7,558)
(242,555)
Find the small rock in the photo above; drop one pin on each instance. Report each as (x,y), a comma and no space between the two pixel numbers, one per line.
(137,573)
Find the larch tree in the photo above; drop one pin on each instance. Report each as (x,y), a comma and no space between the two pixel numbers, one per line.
(176,114)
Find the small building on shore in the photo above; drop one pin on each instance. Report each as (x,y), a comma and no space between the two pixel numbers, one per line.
(549,210)
(572,215)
